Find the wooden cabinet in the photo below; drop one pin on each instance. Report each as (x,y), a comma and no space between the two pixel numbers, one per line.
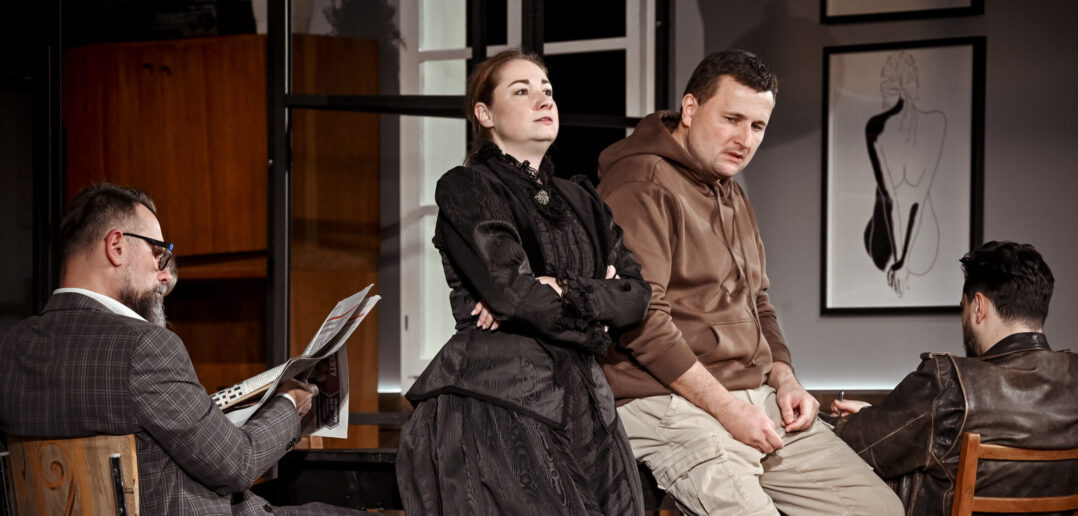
(185,120)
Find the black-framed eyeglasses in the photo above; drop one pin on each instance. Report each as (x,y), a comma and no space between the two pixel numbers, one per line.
(161,250)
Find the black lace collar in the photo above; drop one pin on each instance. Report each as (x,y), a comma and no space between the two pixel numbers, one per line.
(538,180)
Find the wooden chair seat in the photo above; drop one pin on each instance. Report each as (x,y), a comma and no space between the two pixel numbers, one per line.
(74,476)
(966,502)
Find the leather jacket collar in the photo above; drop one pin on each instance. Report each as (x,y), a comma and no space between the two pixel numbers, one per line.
(1017,342)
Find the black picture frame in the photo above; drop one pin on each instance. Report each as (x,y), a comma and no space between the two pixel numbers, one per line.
(832,11)
(903,173)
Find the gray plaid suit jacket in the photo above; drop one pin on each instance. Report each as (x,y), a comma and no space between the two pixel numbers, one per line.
(79,369)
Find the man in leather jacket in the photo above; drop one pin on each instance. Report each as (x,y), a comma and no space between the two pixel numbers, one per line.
(1011,387)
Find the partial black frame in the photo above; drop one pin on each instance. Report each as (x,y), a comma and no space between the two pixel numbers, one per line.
(975,7)
(976,144)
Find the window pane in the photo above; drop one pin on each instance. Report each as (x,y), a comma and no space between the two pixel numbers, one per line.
(568,20)
(576,151)
(443,143)
(497,17)
(351,39)
(442,77)
(437,319)
(335,212)
(336,238)
(429,147)
(581,96)
(328,65)
(442,24)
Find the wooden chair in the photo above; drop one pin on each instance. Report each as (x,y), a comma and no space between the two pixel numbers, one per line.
(965,502)
(92,476)
(7,488)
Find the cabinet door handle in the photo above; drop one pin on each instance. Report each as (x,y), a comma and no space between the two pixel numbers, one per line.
(148,66)
(166,70)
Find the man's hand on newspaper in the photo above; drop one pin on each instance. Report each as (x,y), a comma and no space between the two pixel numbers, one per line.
(302,392)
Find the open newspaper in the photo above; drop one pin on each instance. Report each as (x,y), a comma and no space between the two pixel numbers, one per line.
(324,362)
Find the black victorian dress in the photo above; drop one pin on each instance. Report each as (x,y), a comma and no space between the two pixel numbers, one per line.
(520,420)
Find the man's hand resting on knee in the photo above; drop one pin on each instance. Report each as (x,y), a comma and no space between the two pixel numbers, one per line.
(745,422)
(749,424)
(799,408)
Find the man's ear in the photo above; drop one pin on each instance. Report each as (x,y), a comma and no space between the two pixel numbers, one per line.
(980,307)
(688,109)
(482,114)
(114,247)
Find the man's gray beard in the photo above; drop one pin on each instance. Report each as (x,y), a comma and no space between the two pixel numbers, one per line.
(149,304)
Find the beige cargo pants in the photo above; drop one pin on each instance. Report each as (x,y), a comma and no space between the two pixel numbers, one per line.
(707,471)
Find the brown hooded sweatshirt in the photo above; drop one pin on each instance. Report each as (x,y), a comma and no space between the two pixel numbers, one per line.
(696,237)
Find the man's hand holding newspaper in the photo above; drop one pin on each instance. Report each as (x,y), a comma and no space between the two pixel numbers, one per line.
(323,363)
(301,392)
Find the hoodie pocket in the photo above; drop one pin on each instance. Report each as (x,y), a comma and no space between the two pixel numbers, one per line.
(738,340)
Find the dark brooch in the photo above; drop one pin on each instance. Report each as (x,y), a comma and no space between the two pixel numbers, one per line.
(542,196)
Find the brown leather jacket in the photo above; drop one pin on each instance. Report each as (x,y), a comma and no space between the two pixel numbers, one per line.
(1019,393)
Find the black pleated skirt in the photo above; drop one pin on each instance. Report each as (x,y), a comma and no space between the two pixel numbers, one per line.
(462,455)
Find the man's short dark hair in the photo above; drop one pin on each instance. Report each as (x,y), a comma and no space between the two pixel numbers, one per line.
(94,211)
(742,66)
(1013,276)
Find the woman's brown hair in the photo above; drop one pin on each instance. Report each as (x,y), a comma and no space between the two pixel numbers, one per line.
(481,84)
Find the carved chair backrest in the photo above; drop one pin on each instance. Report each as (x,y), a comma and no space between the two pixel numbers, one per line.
(85,475)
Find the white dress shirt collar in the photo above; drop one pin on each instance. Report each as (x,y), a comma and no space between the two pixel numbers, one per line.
(110,303)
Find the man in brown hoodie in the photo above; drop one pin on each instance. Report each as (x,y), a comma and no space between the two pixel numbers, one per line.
(705,388)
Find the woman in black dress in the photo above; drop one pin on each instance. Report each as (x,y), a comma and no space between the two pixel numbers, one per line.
(514,415)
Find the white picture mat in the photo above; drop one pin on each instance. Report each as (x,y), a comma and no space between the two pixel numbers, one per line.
(945,80)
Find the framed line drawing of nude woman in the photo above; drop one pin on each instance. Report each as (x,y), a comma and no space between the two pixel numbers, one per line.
(903,168)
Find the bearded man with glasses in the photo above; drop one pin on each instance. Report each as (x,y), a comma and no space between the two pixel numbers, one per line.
(98,360)
(149,303)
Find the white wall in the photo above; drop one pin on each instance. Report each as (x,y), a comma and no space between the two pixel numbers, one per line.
(1031,165)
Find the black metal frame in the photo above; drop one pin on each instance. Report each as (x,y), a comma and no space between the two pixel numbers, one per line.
(279,191)
(280,100)
(663,29)
(977,98)
(975,7)
(48,154)
(531,33)
(479,30)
